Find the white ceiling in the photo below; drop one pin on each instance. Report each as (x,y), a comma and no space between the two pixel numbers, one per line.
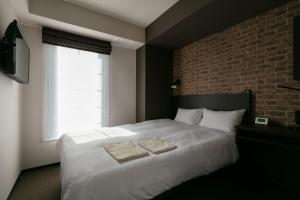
(27,17)
(138,12)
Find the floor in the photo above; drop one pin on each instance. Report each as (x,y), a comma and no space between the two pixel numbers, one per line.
(44,184)
(38,184)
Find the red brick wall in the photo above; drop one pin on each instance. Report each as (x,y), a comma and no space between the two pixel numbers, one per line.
(255,54)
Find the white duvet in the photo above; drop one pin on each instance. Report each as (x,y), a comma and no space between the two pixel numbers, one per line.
(88,172)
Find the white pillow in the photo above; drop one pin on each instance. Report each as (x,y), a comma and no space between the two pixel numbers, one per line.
(222,120)
(189,116)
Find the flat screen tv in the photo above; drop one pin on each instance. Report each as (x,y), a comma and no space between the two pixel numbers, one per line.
(15,54)
(296,45)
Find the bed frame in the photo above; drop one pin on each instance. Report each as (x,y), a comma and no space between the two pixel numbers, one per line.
(225,102)
(216,102)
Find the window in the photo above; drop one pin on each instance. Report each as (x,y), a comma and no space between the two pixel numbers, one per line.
(75,91)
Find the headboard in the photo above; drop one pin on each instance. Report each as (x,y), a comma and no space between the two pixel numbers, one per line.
(216,102)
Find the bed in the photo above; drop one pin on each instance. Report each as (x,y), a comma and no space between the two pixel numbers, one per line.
(89,172)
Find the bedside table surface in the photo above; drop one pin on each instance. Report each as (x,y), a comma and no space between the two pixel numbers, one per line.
(276,131)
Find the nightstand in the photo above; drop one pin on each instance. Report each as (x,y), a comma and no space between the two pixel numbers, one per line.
(269,153)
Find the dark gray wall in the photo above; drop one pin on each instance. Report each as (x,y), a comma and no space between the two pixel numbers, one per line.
(181,10)
(159,66)
(154,78)
(140,83)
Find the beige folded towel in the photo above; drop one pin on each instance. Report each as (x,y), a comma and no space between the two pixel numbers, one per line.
(125,151)
(157,146)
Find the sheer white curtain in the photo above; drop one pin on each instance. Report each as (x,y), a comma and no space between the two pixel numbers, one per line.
(76,91)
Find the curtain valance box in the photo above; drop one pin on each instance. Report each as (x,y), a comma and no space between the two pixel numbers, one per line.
(65,39)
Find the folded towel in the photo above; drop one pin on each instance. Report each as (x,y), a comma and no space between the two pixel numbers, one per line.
(125,151)
(157,146)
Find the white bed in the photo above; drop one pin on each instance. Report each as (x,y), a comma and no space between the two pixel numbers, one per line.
(88,172)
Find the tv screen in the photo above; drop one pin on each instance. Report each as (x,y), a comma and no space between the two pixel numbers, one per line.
(16,54)
(296,45)
(21,51)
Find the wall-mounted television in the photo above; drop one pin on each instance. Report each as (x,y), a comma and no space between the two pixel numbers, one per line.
(15,54)
(296,48)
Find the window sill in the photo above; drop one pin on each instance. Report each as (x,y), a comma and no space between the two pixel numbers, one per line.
(49,141)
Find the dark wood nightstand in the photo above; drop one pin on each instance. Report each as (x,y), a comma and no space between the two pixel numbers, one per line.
(270,154)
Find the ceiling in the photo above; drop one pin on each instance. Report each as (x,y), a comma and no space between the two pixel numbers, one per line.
(209,18)
(138,12)
(78,20)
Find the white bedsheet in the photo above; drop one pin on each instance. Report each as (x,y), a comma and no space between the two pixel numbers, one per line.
(88,172)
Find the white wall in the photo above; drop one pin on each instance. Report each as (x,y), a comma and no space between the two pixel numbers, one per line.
(10,132)
(34,152)
(122,98)
(122,86)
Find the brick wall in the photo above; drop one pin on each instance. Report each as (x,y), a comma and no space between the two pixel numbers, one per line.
(255,54)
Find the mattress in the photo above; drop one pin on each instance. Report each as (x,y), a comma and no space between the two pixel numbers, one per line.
(89,172)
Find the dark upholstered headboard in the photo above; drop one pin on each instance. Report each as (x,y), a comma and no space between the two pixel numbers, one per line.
(225,102)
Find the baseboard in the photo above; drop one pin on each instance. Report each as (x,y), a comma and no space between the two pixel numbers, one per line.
(39,167)
(10,195)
